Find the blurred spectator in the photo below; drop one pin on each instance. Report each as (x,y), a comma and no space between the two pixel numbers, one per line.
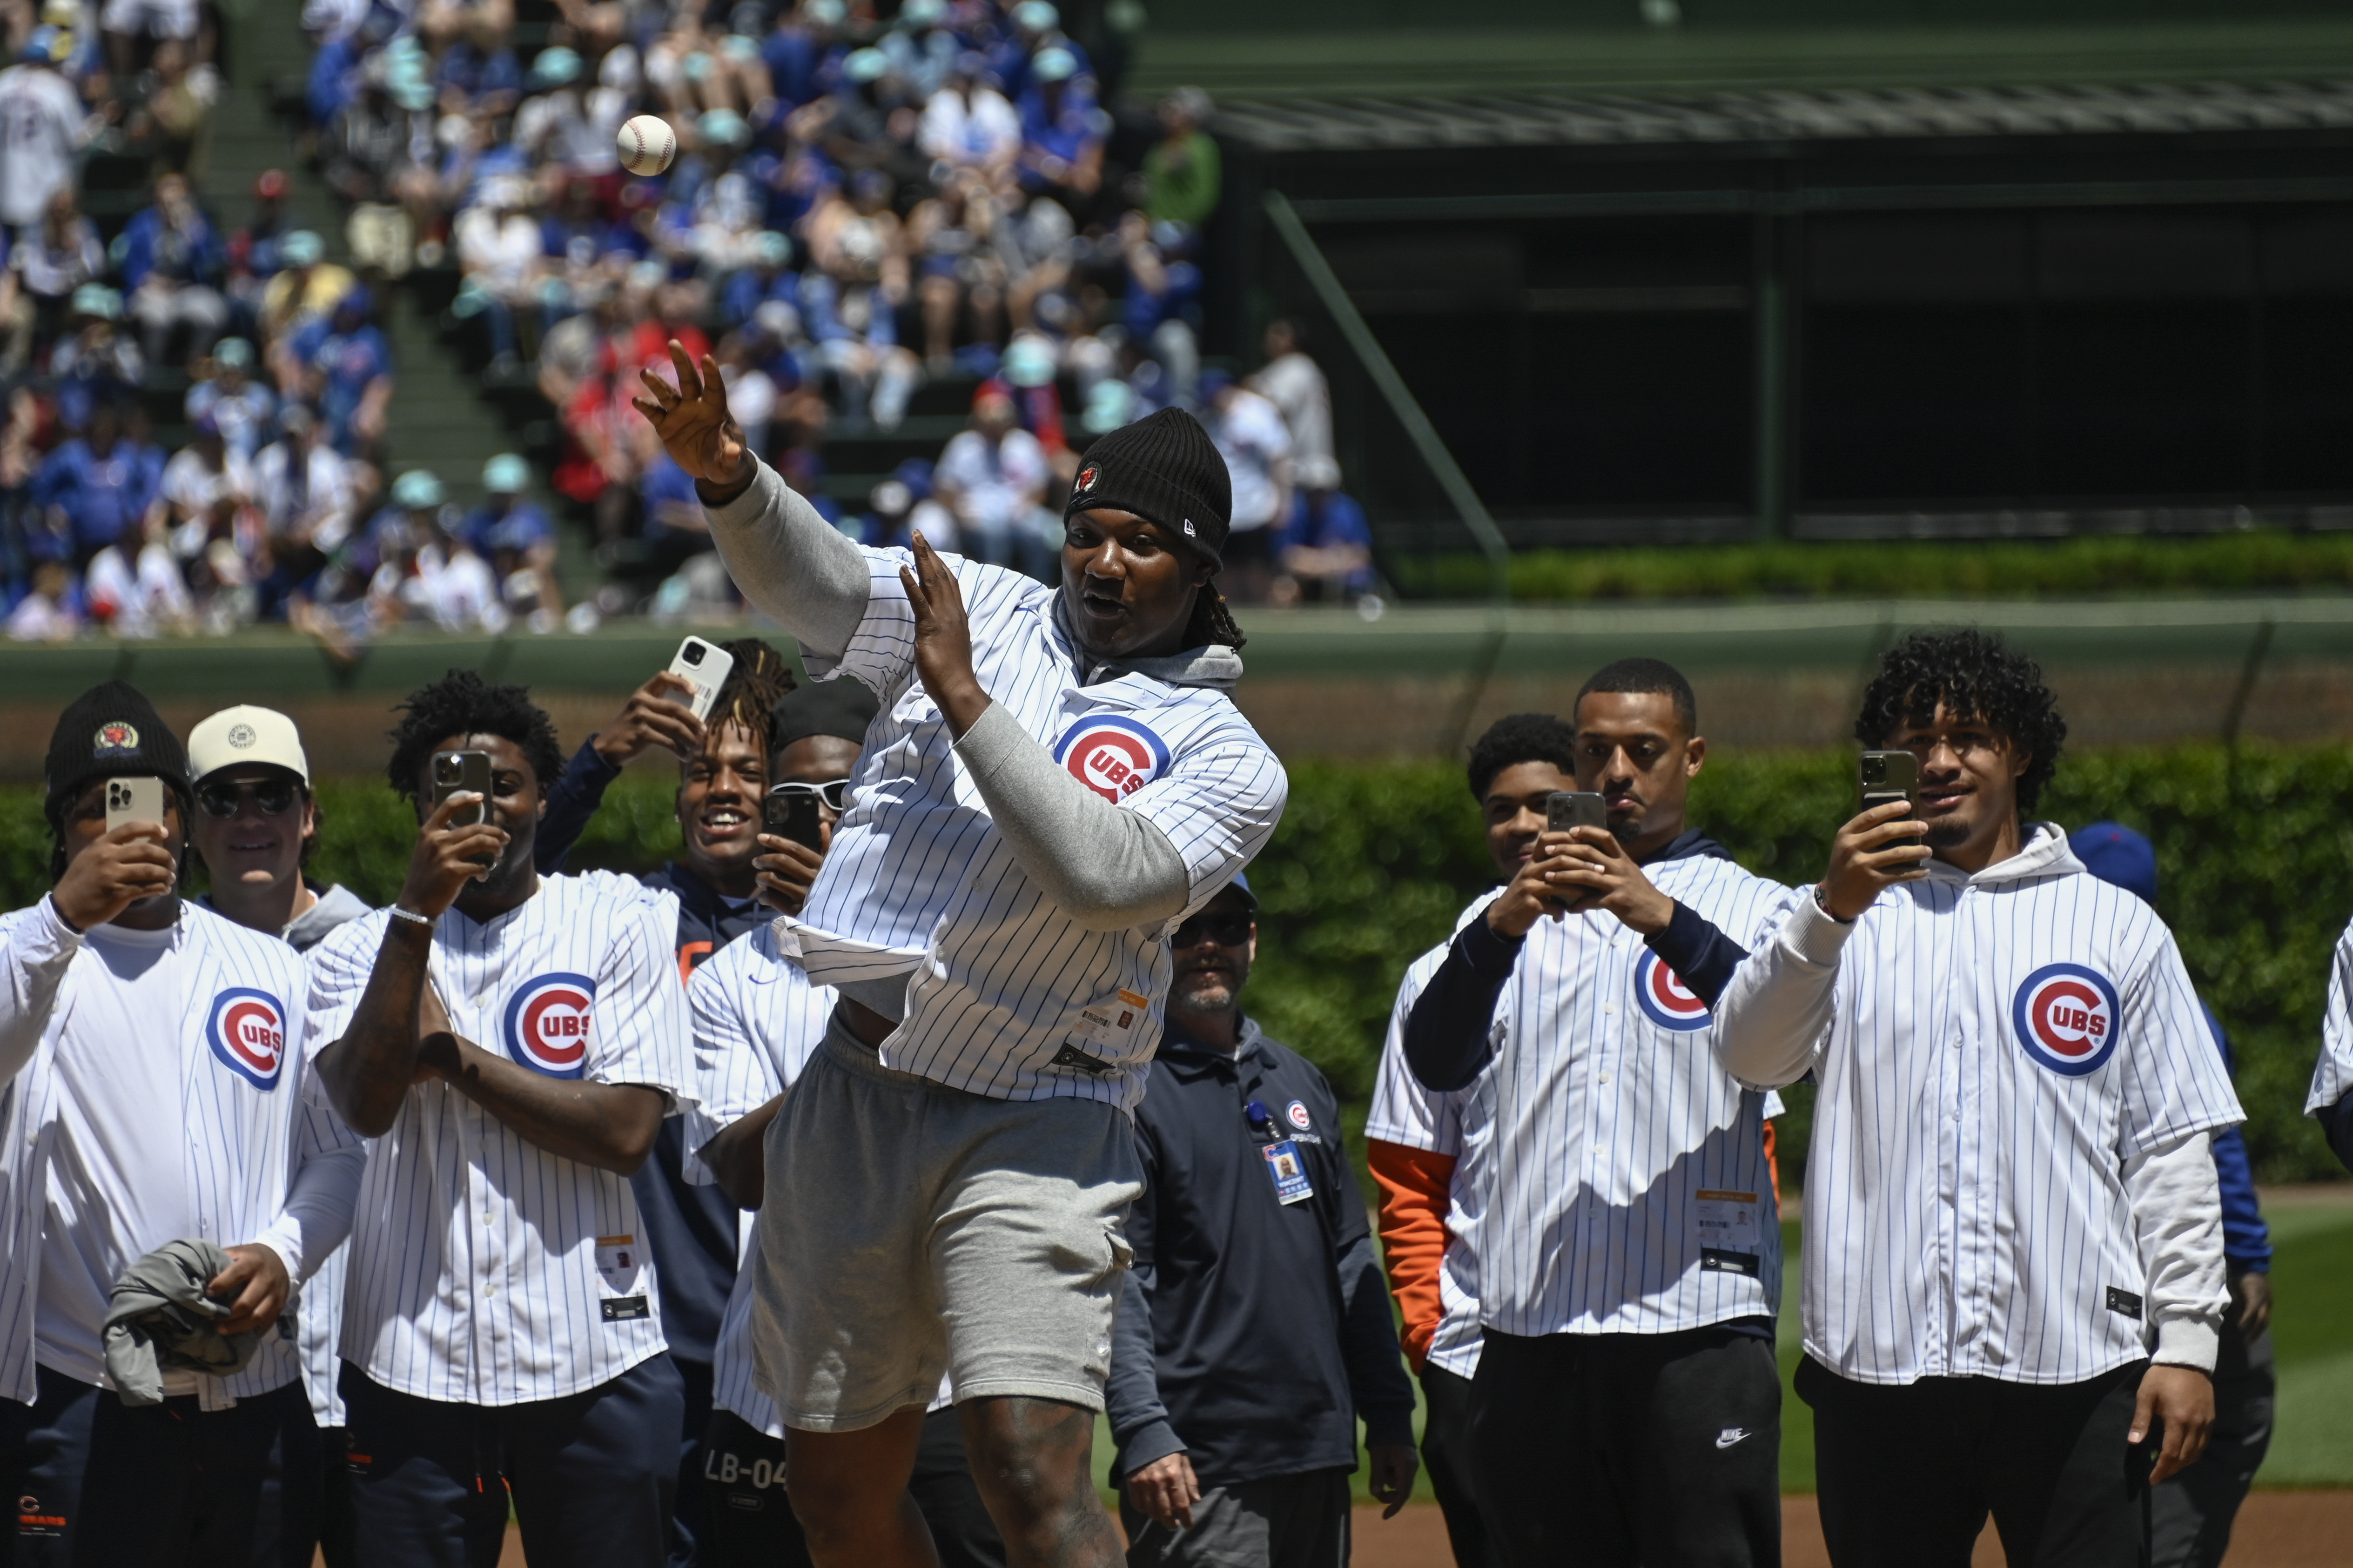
(61,255)
(498,245)
(1324,549)
(304,486)
(215,531)
(346,369)
(51,611)
(172,261)
(125,22)
(172,99)
(133,587)
(230,396)
(255,252)
(93,362)
(1251,438)
(367,150)
(424,571)
(1181,173)
(96,488)
(304,289)
(1296,385)
(1162,285)
(968,125)
(1062,131)
(18,316)
(42,126)
(516,538)
(903,506)
(994,478)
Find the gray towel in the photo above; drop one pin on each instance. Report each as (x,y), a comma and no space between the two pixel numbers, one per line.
(158,1317)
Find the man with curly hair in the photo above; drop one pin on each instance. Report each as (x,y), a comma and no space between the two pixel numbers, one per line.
(2014,1276)
(513,1042)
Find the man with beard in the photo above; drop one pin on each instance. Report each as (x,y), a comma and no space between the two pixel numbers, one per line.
(1253,1330)
(1626,1405)
(513,1042)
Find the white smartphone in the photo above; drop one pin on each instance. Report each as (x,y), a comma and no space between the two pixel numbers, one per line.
(704,666)
(133,800)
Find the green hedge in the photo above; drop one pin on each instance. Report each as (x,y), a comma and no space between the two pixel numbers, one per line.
(1373,860)
(2259,559)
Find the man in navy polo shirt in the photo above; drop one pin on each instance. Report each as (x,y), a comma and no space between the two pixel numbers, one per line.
(1253,1330)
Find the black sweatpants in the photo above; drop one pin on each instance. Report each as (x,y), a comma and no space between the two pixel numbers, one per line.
(1908,1472)
(1453,1468)
(1663,1450)
(2191,1514)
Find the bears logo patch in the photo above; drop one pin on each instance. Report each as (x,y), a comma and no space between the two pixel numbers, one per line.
(1112,756)
(247,1030)
(2067,1018)
(1663,997)
(547,1023)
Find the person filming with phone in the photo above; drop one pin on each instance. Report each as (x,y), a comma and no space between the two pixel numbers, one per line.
(2012,1144)
(513,1042)
(1626,1403)
(159,1156)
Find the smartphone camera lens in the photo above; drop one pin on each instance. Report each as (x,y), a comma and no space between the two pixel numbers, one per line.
(692,653)
(1874,770)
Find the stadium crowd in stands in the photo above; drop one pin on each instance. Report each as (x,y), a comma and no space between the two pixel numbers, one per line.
(864,199)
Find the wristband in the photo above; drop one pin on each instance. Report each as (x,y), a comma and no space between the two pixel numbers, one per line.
(411,916)
(1823,902)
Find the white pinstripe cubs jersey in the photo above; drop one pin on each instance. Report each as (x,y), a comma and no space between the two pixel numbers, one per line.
(1460,1123)
(1999,1046)
(757,1020)
(485,1270)
(919,882)
(221,1109)
(1631,1193)
(2332,1075)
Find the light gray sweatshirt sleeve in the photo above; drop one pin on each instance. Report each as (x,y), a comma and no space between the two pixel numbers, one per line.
(792,564)
(1107,867)
(2176,1214)
(1775,1012)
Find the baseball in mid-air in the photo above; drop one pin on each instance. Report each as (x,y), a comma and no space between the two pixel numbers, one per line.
(647,144)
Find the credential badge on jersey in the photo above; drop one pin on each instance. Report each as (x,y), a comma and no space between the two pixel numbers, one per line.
(1112,756)
(2067,1018)
(247,1030)
(547,1023)
(1665,1000)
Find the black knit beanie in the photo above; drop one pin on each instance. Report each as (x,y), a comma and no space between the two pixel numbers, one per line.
(842,708)
(112,730)
(1163,467)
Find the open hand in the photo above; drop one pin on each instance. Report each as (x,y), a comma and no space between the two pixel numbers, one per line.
(653,718)
(129,864)
(1165,1490)
(446,858)
(2250,1299)
(692,421)
(1613,882)
(943,640)
(2180,1399)
(1878,848)
(254,1284)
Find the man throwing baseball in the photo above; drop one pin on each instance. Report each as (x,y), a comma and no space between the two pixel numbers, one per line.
(1057,778)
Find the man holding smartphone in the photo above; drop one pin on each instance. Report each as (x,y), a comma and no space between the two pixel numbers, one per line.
(155,1094)
(1626,1405)
(958,1160)
(2019,1276)
(513,1042)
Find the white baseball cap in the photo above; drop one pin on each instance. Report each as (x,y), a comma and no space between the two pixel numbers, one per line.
(246,734)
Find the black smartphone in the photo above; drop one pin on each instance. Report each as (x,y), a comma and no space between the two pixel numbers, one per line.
(464,773)
(790,810)
(1884,777)
(1567,809)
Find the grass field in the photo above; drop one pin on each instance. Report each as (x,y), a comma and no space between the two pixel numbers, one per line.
(2311,1334)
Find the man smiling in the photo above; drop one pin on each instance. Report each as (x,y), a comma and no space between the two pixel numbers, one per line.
(2011,1147)
(956,1163)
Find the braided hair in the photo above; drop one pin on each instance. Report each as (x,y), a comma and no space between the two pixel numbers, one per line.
(1211,621)
(748,697)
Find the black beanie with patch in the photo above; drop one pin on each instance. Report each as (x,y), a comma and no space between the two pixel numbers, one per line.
(1163,467)
(112,730)
(841,707)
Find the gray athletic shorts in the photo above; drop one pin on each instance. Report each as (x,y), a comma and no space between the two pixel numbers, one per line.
(911,1229)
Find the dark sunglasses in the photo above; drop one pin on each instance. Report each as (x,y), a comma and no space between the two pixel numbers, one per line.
(835,794)
(1226,930)
(276,797)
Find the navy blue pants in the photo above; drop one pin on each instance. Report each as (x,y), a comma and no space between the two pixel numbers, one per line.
(98,1482)
(594,1474)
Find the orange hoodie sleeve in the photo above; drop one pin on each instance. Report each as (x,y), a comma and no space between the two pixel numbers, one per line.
(1414,1185)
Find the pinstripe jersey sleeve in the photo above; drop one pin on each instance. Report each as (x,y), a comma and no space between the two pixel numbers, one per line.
(2175,1085)
(644,1042)
(732,1077)
(2332,1075)
(1403,1110)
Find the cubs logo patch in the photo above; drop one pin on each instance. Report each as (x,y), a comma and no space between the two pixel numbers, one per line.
(1112,756)
(113,737)
(1663,997)
(2067,1018)
(547,1023)
(247,1030)
(1297,1112)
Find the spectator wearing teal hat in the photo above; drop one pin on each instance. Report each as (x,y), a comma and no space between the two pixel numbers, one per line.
(241,406)
(511,533)
(1063,133)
